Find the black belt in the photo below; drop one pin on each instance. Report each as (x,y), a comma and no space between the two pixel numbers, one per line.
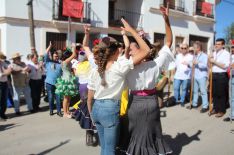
(219,73)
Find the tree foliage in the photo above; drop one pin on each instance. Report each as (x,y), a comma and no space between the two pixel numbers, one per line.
(229,32)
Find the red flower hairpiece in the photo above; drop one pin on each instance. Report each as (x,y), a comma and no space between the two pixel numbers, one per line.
(96,42)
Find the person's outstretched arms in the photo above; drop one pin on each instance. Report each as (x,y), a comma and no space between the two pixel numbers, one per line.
(86,41)
(143,47)
(165,13)
(126,44)
(68,60)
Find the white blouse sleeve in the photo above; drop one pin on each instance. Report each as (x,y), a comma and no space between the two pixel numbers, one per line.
(123,66)
(165,57)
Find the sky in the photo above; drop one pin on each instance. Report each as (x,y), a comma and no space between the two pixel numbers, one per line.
(224,16)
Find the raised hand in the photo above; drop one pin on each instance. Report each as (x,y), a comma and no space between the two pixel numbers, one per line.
(126,27)
(165,10)
(123,32)
(86,28)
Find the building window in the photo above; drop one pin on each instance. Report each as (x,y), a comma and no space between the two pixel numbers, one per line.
(174,4)
(159,37)
(198,9)
(203,40)
(58,40)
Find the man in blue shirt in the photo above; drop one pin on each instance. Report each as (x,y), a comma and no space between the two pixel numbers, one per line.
(53,71)
(200,77)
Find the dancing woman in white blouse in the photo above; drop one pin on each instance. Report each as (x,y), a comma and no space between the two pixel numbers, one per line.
(143,113)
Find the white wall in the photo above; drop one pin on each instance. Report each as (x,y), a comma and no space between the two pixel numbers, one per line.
(3,38)
(17,40)
(2,8)
(19,9)
(99,12)
(154,23)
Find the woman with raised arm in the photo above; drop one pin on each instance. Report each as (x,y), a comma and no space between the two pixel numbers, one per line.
(66,85)
(144,113)
(106,85)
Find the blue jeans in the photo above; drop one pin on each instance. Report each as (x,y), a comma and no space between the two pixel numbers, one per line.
(105,114)
(51,95)
(27,95)
(232,103)
(177,85)
(200,84)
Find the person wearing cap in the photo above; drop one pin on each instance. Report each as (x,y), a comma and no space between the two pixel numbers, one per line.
(4,72)
(53,72)
(20,77)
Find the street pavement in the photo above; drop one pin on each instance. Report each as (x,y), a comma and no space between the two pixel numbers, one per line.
(187,131)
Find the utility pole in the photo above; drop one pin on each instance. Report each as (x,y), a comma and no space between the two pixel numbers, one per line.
(31,25)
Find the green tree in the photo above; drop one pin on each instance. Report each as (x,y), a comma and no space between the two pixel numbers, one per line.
(229,32)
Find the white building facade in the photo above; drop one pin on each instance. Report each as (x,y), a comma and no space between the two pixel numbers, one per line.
(186,18)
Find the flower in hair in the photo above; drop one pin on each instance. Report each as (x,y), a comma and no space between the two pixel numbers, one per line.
(96,42)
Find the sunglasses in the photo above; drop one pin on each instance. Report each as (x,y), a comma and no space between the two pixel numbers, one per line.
(183,48)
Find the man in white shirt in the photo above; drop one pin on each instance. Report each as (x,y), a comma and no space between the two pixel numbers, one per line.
(183,73)
(220,60)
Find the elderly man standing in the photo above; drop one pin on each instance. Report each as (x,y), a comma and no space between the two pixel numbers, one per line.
(4,72)
(183,73)
(20,76)
(200,63)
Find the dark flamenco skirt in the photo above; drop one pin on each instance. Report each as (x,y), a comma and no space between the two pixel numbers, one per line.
(82,115)
(145,127)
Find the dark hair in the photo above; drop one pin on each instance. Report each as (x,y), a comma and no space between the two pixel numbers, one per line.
(33,55)
(146,41)
(177,46)
(103,53)
(66,54)
(198,43)
(154,49)
(221,40)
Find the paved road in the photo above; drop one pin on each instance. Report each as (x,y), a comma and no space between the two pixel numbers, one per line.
(187,131)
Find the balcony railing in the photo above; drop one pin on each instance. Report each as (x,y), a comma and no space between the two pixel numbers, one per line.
(133,18)
(173,4)
(198,9)
(58,12)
